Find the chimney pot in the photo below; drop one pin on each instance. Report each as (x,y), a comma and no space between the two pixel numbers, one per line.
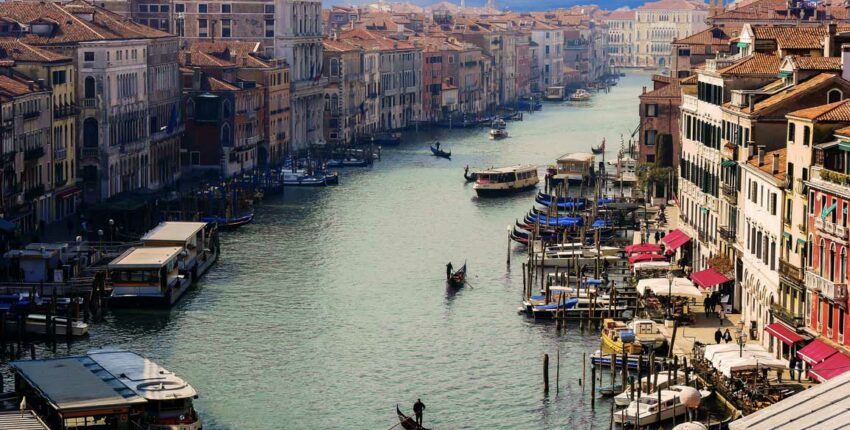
(845,61)
(775,166)
(761,155)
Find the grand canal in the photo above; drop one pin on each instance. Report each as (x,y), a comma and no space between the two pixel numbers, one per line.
(332,307)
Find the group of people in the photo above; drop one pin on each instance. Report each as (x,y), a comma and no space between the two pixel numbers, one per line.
(714,307)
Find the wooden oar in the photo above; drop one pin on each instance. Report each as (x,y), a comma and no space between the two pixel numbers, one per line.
(394,426)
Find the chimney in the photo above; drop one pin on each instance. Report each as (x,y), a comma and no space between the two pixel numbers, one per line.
(761,155)
(845,61)
(644,90)
(751,102)
(833,27)
(775,164)
(31,85)
(41,84)
(245,61)
(188,58)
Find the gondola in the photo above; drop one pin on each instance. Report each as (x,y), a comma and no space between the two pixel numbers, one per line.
(458,278)
(225,223)
(440,153)
(407,422)
(470,177)
(596,150)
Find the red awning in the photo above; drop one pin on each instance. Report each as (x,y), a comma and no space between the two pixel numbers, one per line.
(646,257)
(783,333)
(709,278)
(675,239)
(643,248)
(815,352)
(830,368)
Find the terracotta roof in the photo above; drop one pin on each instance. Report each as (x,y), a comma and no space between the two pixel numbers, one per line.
(220,53)
(672,5)
(817,63)
(709,36)
(755,64)
(813,84)
(11,48)
(13,87)
(792,37)
(338,46)
(621,15)
(216,84)
(373,40)
(76,21)
(690,80)
(832,112)
(781,168)
(844,131)
(755,10)
(670,90)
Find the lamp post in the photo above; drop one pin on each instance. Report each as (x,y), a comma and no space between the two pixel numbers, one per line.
(741,338)
(669,295)
(509,245)
(111,230)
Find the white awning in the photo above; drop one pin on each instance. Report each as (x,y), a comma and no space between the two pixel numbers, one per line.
(682,287)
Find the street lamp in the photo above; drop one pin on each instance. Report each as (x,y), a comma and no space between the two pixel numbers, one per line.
(741,338)
(111,230)
(669,295)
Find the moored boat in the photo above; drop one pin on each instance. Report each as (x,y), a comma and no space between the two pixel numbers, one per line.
(576,167)
(387,138)
(458,278)
(498,129)
(505,180)
(555,93)
(229,223)
(301,178)
(148,276)
(656,407)
(580,95)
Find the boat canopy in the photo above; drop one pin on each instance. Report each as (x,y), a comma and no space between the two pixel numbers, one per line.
(173,231)
(584,157)
(149,257)
(681,287)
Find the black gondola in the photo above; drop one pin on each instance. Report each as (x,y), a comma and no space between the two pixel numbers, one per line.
(470,177)
(596,150)
(407,422)
(440,153)
(458,278)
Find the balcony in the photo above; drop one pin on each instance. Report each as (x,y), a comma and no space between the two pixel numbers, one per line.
(90,152)
(832,229)
(790,319)
(90,103)
(727,233)
(689,102)
(827,289)
(60,154)
(730,193)
(32,115)
(64,111)
(34,153)
(791,272)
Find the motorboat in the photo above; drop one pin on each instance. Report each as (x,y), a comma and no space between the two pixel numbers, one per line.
(655,407)
(576,167)
(555,93)
(624,170)
(644,385)
(635,337)
(505,180)
(301,178)
(580,95)
(583,256)
(37,324)
(349,162)
(498,129)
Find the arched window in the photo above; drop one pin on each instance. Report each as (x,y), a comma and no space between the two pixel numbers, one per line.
(834,95)
(807,132)
(327,102)
(791,131)
(832,262)
(90,137)
(225,135)
(334,104)
(89,87)
(809,250)
(820,257)
(772,255)
(842,264)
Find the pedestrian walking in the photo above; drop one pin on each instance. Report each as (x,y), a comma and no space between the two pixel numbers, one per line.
(718,336)
(727,337)
(707,305)
(792,366)
(657,236)
(799,369)
(721,315)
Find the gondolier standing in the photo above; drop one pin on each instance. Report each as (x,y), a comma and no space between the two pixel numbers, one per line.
(419,407)
(449,271)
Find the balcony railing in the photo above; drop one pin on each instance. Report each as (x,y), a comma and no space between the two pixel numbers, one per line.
(791,272)
(60,154)
(727,233)
(730,193)
(835,230)
(34,153)
(90,103)
(832,176)
(786,316)
(32,115)
(828,289)
(64,111)
(90,152)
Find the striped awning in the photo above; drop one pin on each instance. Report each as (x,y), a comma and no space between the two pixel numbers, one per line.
(783,333)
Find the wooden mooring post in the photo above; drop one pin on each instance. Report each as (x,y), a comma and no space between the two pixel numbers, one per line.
(545,373)
(593,387)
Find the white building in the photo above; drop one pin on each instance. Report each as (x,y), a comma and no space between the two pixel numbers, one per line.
(658,23)
(621,38)
(550,59)
(298,40)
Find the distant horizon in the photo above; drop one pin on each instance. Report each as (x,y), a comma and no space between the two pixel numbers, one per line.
(515,5)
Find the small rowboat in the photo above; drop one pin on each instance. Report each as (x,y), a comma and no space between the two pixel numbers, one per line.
(458,278)
(407,422)
(440,153)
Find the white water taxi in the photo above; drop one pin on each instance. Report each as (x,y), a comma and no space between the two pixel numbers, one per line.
(505,180)
(655,407)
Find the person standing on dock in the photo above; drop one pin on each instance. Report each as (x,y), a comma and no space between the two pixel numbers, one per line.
(418,409)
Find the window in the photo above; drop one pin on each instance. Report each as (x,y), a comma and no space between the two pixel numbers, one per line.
(180,7)
(225,28)
(269,28)
(202,28)
(842,264)
(195,158)
(773,203)
(649,137)
(59,77)
(807,132)
(334,67)
(652,110)
(163,8)
(834,95)
(225,8)
(269,8)
(153,8)
(791,131)
(88,56)
(202,8)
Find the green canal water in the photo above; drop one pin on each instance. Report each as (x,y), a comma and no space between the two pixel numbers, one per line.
(331,307)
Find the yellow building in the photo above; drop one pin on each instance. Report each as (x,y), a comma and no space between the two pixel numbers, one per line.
(55,72)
